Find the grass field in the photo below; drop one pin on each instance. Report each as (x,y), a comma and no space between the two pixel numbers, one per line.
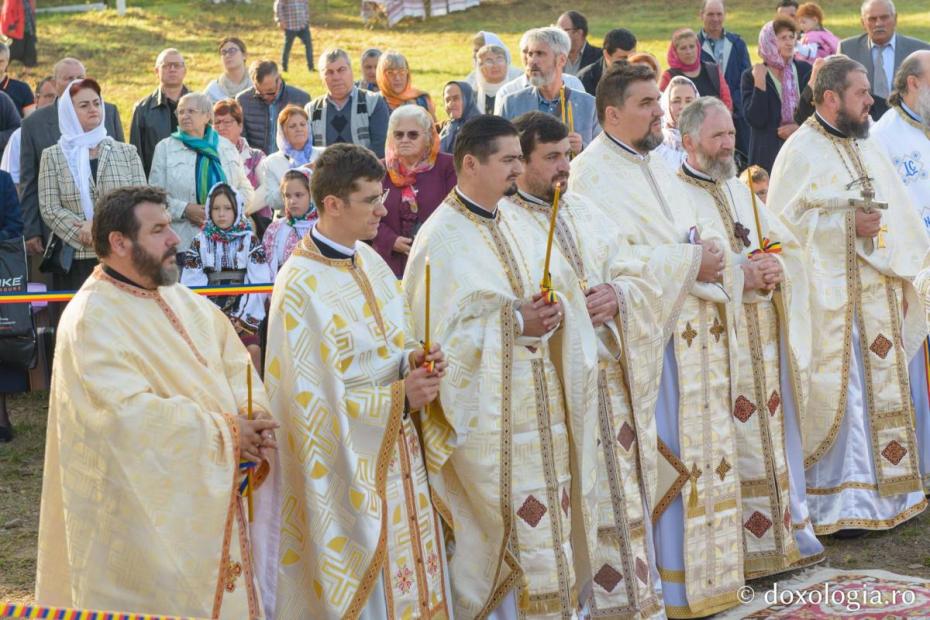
(120,53)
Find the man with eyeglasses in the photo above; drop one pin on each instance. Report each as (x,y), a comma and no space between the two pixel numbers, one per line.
(262,103)
(346,113)
(880,49)
(582,53)
(154,117)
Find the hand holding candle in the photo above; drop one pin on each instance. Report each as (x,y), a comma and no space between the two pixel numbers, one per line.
(426,338)
(546,285)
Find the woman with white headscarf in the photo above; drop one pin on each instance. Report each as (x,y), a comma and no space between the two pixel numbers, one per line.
(677,95)
(85,164)
(295,150)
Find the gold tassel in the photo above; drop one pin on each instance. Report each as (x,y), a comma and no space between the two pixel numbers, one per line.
(693,498)
(524,603)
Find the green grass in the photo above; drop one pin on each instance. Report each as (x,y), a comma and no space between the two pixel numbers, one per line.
(120,51)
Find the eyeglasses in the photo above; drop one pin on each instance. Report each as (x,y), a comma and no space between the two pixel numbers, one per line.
(172,65)
(396,73)
(491,62)
(229,51)
(411,135)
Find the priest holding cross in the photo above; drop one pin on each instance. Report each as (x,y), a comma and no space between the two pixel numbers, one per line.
(833,186)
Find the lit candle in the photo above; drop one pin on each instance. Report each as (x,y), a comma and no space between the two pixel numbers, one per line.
(426,343)
(248,475)
(755,210)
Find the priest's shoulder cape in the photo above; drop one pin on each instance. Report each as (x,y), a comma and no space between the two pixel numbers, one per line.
(140,510)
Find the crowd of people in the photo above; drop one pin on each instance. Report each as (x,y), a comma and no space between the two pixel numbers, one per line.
(609,341)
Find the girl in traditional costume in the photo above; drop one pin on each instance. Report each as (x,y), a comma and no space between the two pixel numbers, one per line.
(285,233)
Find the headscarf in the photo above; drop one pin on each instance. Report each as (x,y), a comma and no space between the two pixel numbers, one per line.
(674,60)
(768,50)
(211,235)
(76,144)
(208,171)
(296,158)
(402,177)
(289,232)
(672,135)
(397,99)
(492,39)
(470,110)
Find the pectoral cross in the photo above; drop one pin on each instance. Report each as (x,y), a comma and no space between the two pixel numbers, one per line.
(867,203)
(742,233)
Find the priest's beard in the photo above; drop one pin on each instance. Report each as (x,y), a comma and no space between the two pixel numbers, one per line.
(649,142)
(153,268)
(923,105)
(719,168)
(850,127)
(511,189)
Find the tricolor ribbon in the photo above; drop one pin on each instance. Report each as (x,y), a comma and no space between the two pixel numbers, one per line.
(208,291)
(768,247)
(16,610)
(547,290)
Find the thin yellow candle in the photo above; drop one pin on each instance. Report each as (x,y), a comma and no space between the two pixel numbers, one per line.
(755,209)
(546,283)
(426,343)
(248,475)
(571,117)
(562,104)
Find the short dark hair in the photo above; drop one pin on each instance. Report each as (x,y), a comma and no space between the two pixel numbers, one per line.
(781,23)
(43,82)
(260,69)
(616,81)
(295,174)
(619,39)
(538,127)
(339,168)
(784,4)
(116,212)
(235,41)
(478,138)
(579,21)
(834,75)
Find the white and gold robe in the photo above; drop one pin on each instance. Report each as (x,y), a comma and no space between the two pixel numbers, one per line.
(358,533)
(858,426)
(906,139)
(511,448)
(140,507)
(777,533)
(696,506)
(630,363)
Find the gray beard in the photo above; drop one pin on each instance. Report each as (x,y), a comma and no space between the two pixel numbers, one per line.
(719,169)
(649,142)
(538,81)
(851,127)
(923,105)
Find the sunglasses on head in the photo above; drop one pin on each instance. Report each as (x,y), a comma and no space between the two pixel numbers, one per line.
(411,135)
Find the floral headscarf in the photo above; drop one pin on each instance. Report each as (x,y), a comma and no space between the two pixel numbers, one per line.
(211,235)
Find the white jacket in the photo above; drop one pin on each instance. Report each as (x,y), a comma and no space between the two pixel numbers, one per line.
(270,172)
(173,169)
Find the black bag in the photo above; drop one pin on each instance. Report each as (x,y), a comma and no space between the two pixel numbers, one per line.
(58,257)
(17,330)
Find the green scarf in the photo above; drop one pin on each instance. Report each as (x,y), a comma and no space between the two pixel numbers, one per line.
(208,170)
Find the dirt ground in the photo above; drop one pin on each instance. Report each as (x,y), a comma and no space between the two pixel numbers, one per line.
(904,550)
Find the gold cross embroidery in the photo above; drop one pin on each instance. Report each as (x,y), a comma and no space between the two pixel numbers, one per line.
(723,468)
(716,330)
(689,333)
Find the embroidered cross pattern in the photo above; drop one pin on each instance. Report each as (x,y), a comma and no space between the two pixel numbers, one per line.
(233,570)
(758,524)
(880,346)
(626,436)
(608,577)
(717,330)
(742,233)
(743,409)
(689,334)
(774,401)
(531,511)
(723,468)
(894,452)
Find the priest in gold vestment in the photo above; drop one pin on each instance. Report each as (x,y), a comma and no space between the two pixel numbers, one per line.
(623,298)
(696,504)
(772,346)
(511,446)
(147,423)
(358,535)
(858,427)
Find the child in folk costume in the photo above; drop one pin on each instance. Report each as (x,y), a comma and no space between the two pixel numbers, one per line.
(227,252)
(283,234)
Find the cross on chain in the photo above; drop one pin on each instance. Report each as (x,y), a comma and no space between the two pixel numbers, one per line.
(742,233)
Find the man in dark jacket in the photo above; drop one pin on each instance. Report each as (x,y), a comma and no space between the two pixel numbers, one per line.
(729,51)
(155,117)
(40,131)
(262,103)
(619,44)
(581,54)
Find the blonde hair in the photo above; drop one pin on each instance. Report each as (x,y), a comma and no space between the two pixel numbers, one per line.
(758,175)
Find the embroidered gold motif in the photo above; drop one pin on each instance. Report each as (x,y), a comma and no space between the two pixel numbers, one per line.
(894,452)
(758,524)
(717,330)
(689,334)
(743,409)
(233,571)
(723,468)
(880,346)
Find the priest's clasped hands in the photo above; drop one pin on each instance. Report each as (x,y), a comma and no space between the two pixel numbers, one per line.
(422,384)
(762,272)
(540,317)
(256,437)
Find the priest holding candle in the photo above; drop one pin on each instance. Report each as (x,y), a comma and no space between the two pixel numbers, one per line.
(511,446)
(359,536)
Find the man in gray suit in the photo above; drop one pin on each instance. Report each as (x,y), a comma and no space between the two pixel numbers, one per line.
(40,131)
(545,51)
(881,50)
